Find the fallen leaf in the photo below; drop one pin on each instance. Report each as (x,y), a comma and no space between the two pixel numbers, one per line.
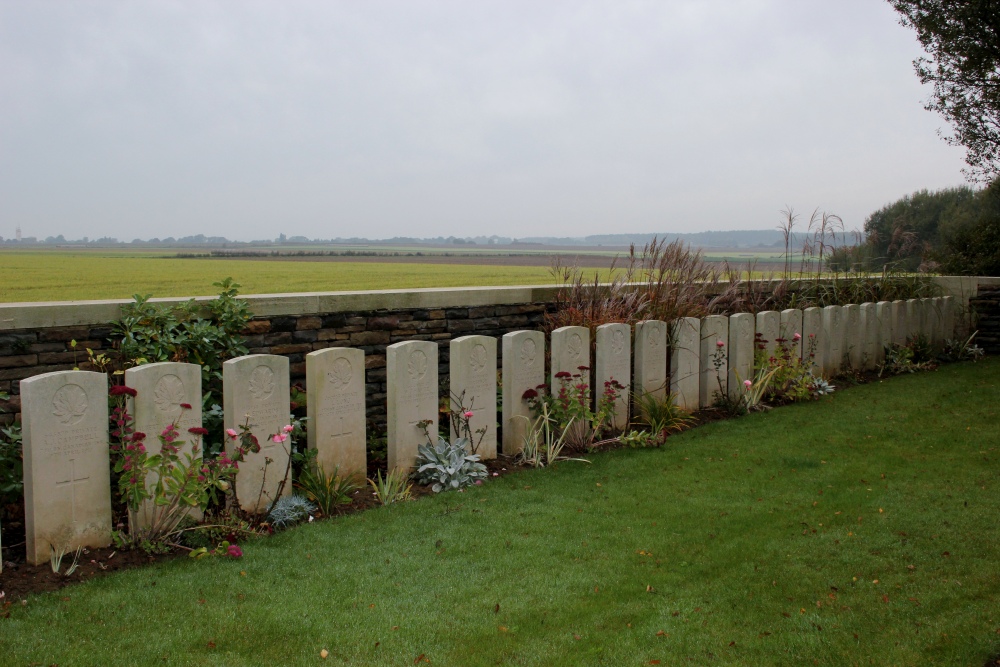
(324,653)
(946,554)
(502,628)
(660,633)
(911,567)
(649,589)
(577,637)
(654,662)
(395,627)
(496,609)
(885,598)
(732,643)
(210,644)
(786,614)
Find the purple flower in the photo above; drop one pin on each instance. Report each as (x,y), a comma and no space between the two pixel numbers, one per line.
(234,551)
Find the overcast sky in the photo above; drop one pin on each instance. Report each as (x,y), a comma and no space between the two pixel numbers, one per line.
(426,118)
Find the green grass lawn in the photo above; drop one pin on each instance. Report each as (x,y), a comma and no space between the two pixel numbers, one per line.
(862,529)
(70,276)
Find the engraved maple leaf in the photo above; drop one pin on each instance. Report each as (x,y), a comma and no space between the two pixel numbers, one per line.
(528,352)
(417,366)
(575,345)
(261,382)
(169,393)
(478,358)
(69,404)
(341,373)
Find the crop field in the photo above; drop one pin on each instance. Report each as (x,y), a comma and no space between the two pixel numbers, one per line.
(109,273)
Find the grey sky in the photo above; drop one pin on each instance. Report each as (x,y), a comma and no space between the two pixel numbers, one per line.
(421,118)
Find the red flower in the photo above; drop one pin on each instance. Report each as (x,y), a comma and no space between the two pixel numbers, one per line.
(122,390)
(583,368)
(234,551)
(137,436)
(563,374)
(198,430)
(529,394)
(186,406)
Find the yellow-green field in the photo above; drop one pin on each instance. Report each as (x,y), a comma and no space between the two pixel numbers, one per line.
(71,276)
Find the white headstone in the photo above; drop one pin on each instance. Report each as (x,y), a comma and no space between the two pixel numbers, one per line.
(853,341)
(614,362)
(768,329)
(869,335)
(412,376)
(67,481)
(934,324)
(335,403)
(741,350)
(685,369)
(473,376)
(834,353)
(900,323)
(813,339)
(651,357)
(883,313)
(570,353)
(791,324)
(714,346)
(161,389)
(914,317)
(255,391)
(523,369)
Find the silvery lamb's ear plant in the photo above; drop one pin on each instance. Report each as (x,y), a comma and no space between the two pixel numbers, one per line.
(289,510)
(447,465)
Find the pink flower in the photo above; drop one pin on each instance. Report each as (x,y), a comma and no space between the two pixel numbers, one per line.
(231,432)
(747,384)
(280,437)
(812,335)
(797,337)
(468,414)
(234,551)
(288,428)
(719,343)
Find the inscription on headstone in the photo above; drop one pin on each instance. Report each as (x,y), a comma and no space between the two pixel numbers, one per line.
(570,352)
(412,373)
(335,401)
(813,339)
(473,376)
(791,324)
(67,485)
(714,345)
(685,369)
(255,391)
(523,369)
(614,361)
(768,328)
(651,357)
(161,388)
(741,349)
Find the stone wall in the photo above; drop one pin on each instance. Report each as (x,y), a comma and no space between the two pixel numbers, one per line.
(986,305)
(36,338)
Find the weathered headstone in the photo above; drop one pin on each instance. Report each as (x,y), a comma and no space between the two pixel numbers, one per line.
(833,350)
(714,346)
(473,375)
(934,323)
(883,313)
(813,339)
(914,317)
(412,376)
(651,357)
(614,362)
(335,403)
(900,324)
(768,329)
(869,335)
(255,392)
(685,369)
(791,324)
(741,350)
(161,389)
(948,317)
(523,369)
(853,341)
(67,484)
(570,353)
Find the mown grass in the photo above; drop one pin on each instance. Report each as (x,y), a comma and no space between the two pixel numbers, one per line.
(858,530)
(68,276)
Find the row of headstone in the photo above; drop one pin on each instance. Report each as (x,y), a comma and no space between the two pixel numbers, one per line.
(65,414)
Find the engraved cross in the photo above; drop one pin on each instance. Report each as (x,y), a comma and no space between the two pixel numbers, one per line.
(72,483)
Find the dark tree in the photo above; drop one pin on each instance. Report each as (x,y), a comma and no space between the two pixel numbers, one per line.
(962,38)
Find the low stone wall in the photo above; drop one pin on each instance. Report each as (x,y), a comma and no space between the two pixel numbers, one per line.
(35,338)
(986,305)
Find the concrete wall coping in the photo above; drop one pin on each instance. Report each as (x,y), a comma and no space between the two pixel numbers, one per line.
(45,314)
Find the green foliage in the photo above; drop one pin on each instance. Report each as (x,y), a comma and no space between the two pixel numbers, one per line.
(971,236)
(392,488)
(290,510)
(11,464)
(448,465)
(570,411)
(543,444)
(327,491)
(962,350)
(915,355)
(204,333)
(661,414)
(964,67)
